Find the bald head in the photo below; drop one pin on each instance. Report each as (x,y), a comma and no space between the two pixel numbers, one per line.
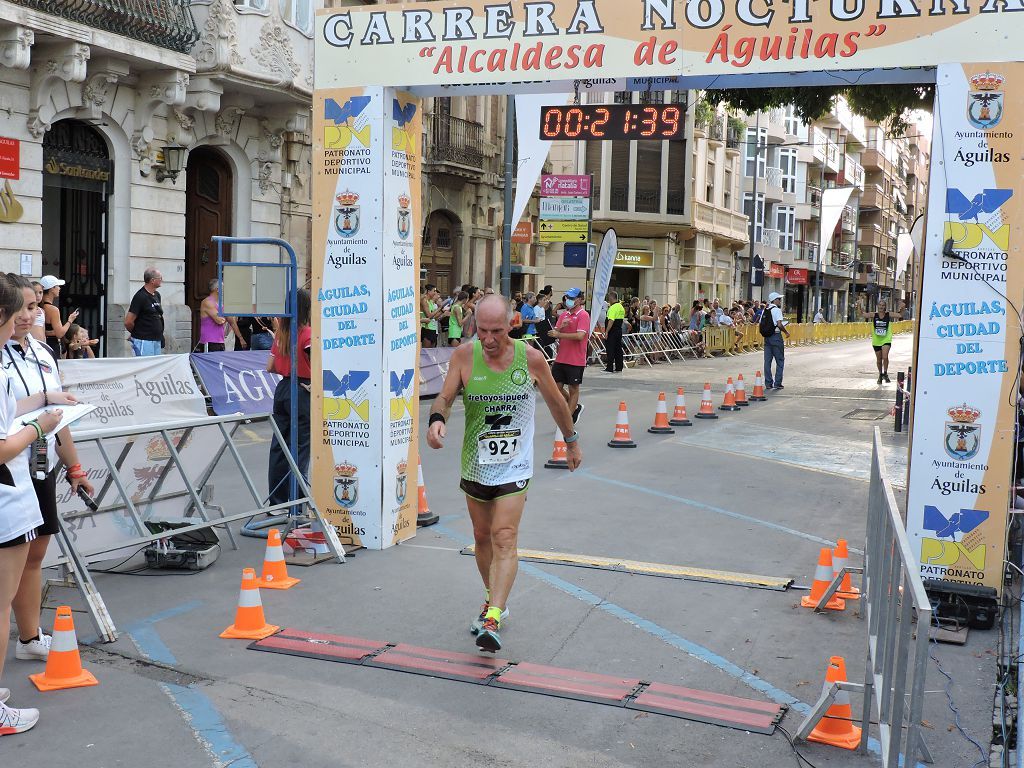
(493,309)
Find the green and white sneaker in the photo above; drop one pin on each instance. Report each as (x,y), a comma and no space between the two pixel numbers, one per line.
(488,639)
(478,622)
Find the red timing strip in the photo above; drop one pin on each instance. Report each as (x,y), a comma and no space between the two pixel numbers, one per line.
(631,693)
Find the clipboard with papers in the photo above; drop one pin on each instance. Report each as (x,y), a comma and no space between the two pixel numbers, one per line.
(71,414)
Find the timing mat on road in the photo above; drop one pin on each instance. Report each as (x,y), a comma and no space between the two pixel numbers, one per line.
(621,565)
(628,693)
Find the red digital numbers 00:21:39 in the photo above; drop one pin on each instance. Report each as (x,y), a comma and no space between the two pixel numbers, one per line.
(604,122)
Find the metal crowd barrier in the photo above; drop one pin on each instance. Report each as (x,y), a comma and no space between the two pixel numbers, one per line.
(649,347)
(823,333)
(899,616)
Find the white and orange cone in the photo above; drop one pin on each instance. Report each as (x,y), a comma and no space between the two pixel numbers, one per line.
(741,391)
(660,426)
(836,727)
(275,570)
(250,623)
(559,453)
(758,394)
(840,556)
(729,398)
(424,516)
(621,437)
(822,578)
(707,407)
(64,664)
(679,418)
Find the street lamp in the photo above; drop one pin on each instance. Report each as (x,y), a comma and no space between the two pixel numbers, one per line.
(173,162)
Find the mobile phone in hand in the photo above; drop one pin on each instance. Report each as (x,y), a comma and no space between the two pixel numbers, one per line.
(89,501)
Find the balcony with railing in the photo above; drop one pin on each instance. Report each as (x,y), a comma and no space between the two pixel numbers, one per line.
(873,196)
(720,223)
(773,183)
(734,138)
(455,146)
(776,125)
(814,200)
(853,172)
(849,218)
(165,23)
(717,131)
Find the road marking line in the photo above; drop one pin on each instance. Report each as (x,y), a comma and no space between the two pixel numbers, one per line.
(716,510)
(621,565)
(199,713)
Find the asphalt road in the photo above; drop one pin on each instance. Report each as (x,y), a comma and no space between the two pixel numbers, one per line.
(755,492)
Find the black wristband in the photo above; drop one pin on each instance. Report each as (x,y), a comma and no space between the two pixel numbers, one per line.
(436,417)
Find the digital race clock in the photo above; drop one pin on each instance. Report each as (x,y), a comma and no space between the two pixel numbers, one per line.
(609,122)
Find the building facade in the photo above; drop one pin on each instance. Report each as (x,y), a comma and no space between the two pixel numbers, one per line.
(98,99)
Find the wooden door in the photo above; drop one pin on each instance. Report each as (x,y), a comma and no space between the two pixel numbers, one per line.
(438,253)
(208,200)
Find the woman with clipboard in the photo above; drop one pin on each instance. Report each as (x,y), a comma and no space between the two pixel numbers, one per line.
(19,508)
(35,383)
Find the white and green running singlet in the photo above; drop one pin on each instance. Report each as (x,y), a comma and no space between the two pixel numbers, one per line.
(498,444)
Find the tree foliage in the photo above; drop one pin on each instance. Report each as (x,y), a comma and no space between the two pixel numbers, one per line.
(887,105)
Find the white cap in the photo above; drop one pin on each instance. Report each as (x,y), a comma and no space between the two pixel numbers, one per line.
(773,296)
(49,281)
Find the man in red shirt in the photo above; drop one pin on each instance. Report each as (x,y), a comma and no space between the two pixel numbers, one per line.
(572,331)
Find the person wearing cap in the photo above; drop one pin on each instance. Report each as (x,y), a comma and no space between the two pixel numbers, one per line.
(773,327)
(572,331)
(145,317)
(55,329)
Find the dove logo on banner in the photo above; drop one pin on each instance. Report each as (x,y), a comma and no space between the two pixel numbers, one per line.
(401,394)
(403,137)
(344,122)
(341,396)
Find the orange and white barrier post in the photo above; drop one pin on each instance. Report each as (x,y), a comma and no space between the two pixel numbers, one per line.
(424,516)
(741,391)
(758,394)
(840,556)
(822,578)
(275,571)
(836,726)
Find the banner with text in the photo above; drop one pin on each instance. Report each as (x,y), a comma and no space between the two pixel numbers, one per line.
(237,382)
(367,159)
(468,42)
(959,487)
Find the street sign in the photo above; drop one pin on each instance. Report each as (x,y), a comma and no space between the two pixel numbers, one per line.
(564,226)
(562,237)
(565,208)
(561,185)
(523,233)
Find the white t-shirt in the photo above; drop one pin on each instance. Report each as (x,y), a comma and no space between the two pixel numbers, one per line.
(777,316)
(19,507)
(30,375)
(725,320)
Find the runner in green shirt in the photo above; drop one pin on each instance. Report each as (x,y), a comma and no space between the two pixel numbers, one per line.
(496,375)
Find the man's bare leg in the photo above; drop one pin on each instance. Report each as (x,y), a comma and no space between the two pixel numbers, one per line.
(573,397)
(480,515)
(506,514)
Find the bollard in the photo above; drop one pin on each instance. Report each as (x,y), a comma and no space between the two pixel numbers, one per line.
(899,401)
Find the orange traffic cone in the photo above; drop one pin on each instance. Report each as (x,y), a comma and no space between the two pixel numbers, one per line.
(758,395)
(249,621)
(275,570)
(660,426)
(621,438)
(424,516)
(707,408)
(836,728)
(840,556)
(729,399)
(741,391)
(558,458)
(822,578)
(63,665)
(679,413)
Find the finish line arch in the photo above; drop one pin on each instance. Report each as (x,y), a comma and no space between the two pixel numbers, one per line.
(374,63)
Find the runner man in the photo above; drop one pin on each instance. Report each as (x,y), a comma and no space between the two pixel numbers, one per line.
(572,330)
(496,375)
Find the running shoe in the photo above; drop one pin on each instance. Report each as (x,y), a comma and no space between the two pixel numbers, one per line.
(478,622)
(577,412)
(38,648)
(487,638)
(19,720)
(886,377)
(5,694)
(879,378)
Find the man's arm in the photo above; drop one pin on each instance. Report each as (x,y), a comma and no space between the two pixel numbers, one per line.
(556,403)
(781,323)
(460,359)
(129,321)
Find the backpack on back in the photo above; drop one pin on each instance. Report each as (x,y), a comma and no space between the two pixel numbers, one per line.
(766,326)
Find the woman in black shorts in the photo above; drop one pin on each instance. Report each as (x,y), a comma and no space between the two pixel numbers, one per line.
(19,508)
(35,383)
